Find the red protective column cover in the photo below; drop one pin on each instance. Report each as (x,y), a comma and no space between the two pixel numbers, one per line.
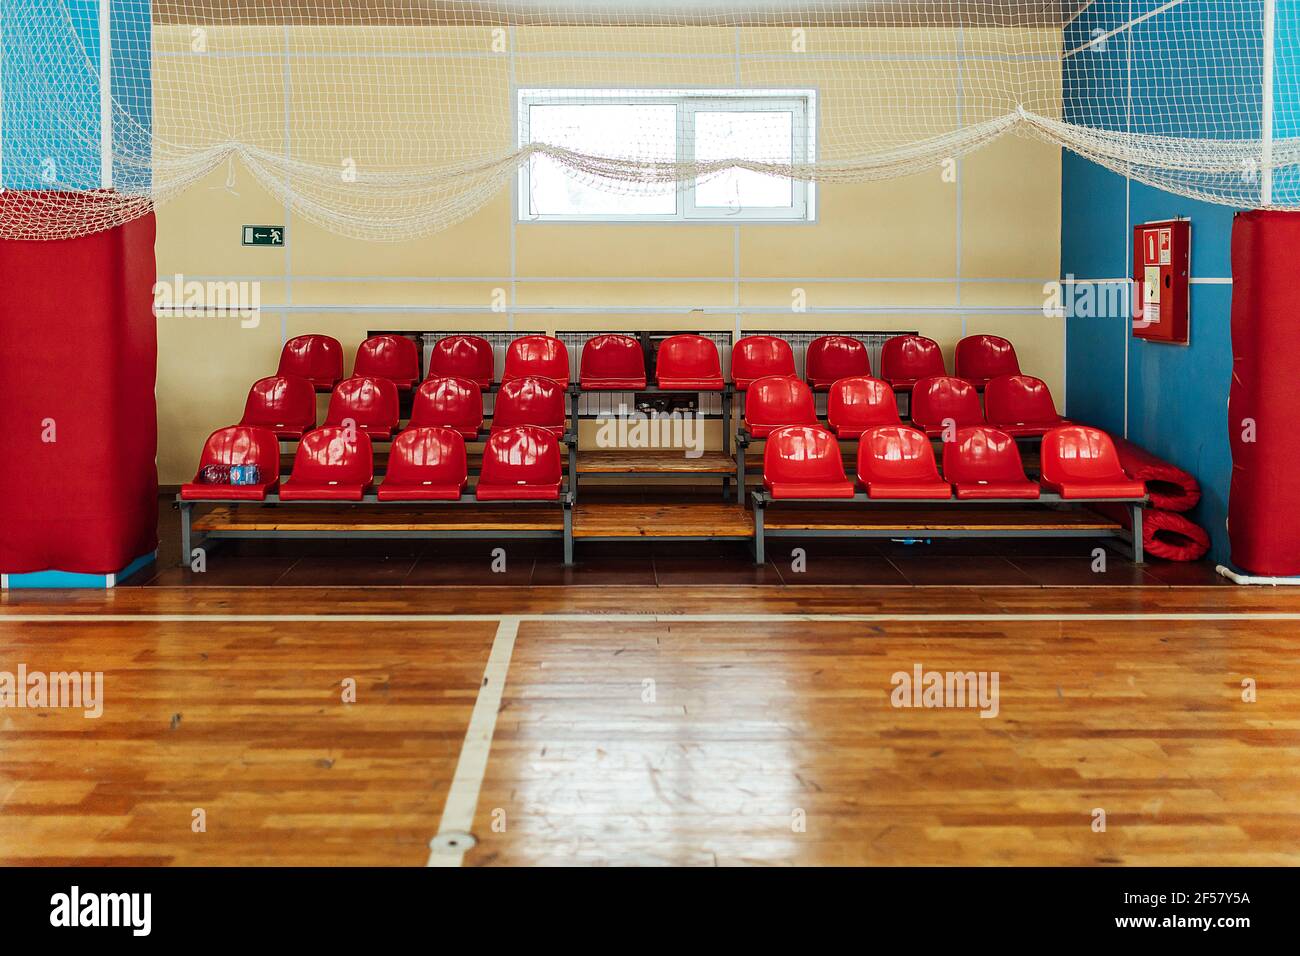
(1264,498)
(78,355)
(1169,486)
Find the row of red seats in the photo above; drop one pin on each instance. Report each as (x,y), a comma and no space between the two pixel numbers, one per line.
(286,404)
(897,462)
(1020,405)
(319,359)
(333,463)
(688,362)
(904,360)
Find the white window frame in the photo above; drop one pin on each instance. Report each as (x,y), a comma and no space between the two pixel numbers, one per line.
(802,103)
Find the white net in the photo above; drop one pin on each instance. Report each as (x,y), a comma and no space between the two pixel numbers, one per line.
(391,119)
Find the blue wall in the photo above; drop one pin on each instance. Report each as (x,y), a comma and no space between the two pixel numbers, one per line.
(1169,399)
(49,72)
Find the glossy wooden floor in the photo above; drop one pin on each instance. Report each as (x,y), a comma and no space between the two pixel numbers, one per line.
(751,723)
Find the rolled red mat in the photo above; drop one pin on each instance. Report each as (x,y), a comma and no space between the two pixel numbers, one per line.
(1165,534)
(1168,485)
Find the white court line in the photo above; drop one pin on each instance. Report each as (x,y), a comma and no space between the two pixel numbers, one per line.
(632,618)
(462,796)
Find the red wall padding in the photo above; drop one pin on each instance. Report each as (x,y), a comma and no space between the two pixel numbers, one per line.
(78,345)
(1264,497)
(1165,534)
(1168,485)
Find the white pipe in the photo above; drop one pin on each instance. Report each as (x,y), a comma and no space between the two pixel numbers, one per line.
(1236,578)
(105,95)
(1266,119)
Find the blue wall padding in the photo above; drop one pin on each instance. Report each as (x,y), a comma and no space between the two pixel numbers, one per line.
(1176,395)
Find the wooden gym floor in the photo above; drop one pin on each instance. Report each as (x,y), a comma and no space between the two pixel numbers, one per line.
(708,725)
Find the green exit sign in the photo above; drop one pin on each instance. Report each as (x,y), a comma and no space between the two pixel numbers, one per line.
(264,235)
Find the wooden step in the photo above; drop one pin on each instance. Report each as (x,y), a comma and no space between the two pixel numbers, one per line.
(692,519)
(668,462)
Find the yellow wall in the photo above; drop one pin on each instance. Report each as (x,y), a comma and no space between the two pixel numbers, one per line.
(921,248)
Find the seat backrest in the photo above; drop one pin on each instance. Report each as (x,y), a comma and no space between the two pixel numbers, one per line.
(896,453)
(1079,453)
(366,400)
(453,402)
(388,356)
(538,355)
(911,357)
(833,357)
(688,356)
(981,357)
(936,400)
(463,356)
(328,454)
(243,445)
(860,401)
(982,454)
(314,357)
(802,453)
(521,454)
(281,400)
(757,356)
(779,400)
(529,401)
(427,453)
(606,357)
(1012,399)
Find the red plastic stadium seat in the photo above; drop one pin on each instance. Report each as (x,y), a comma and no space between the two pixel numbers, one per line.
(775,401)
(330,467)
(758,356)
(1021,405)
(982,357)
(520,464)
(906,359)
(690,363)
(463,356)
(860,402)
(833,357)
(455,403)
(537,356)
(612,362)
(237,445)
(1081,462)
(425,464)
(530,401)
(370,402)
(803,461)
(317,358)
(945,399)
(394,357)
(985,463)
(895,461)
(286,404)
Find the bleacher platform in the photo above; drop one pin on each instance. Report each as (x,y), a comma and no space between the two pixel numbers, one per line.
(428,482)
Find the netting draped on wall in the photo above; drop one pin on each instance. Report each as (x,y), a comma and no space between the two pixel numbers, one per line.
(391,119)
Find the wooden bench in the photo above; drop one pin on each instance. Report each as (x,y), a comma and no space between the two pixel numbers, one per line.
(1044,517)
(370,518)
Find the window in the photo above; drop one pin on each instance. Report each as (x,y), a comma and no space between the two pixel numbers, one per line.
(684,126)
